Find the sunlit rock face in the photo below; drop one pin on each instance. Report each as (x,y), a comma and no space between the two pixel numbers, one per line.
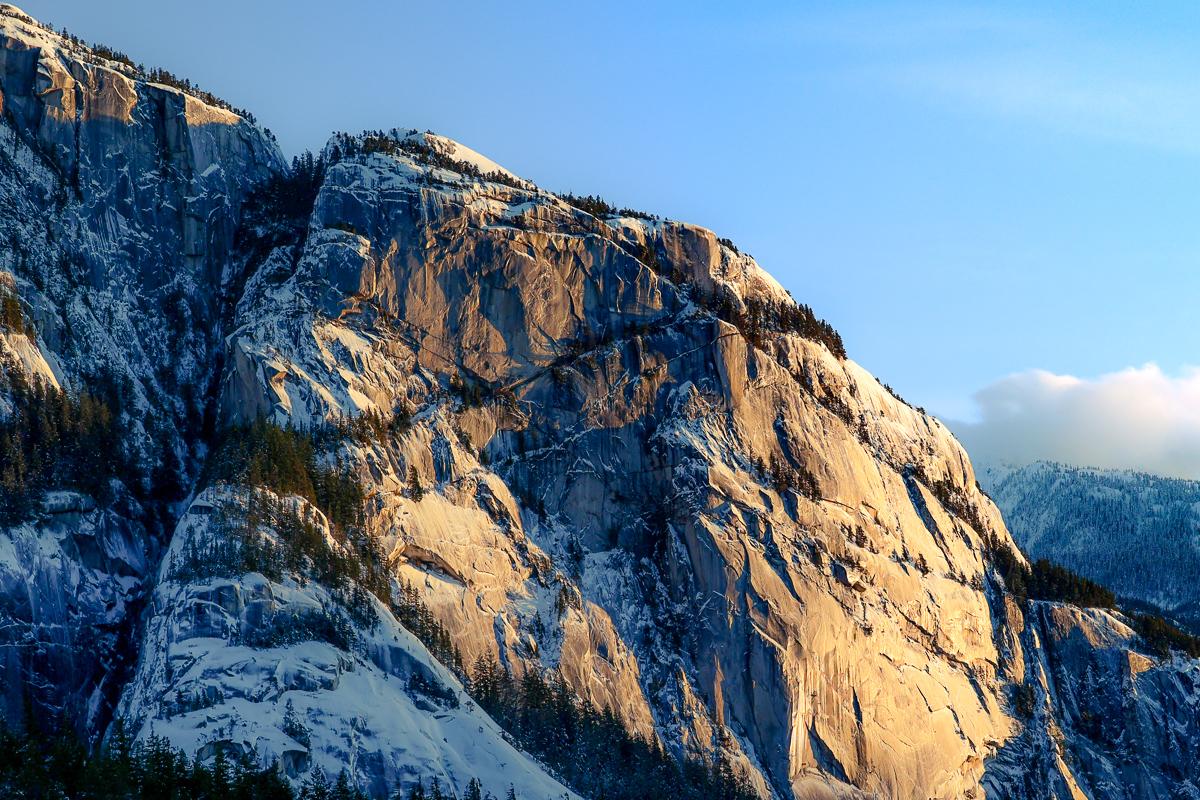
(615,458)
(586,429)
(119,202)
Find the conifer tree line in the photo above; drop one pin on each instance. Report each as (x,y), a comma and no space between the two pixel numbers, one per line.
(284,460)
(55,440)
(760,319)
(590,749)
(1044,580)
(411,612)
(600,208)
(49,765)
(953,498)
(757,318)
(368,142)
(276,212)
(352,572)
(12,315)
(785,476)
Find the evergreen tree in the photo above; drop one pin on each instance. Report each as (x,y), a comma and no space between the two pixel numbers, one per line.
(414,484)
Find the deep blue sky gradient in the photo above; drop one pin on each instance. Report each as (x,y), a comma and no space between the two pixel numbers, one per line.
(964,192)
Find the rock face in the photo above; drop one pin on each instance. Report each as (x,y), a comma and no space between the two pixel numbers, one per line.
(587,425)
(1102,719)
(227,667)
(627,456)
(120,200)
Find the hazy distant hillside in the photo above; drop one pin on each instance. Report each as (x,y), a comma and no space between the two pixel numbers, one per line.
(1135,532)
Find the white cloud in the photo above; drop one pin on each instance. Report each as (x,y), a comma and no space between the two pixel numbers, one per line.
(1138,418)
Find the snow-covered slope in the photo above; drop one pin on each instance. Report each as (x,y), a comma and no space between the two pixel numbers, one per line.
(233,663)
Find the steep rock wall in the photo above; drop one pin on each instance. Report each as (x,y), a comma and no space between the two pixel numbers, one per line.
(618,450)
(119,202)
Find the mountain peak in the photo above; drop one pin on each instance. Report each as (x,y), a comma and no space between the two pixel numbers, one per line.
(203,107)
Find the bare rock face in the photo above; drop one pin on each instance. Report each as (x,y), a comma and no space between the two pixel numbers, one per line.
(120,200)
(742,542)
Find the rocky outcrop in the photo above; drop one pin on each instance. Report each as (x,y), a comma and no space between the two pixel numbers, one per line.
(69,584)
(587,427)
(1100,718)
(276,670)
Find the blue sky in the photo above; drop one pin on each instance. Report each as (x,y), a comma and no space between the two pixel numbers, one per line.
(965,192)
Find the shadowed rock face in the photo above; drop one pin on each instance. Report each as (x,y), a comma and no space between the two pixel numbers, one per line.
(119,202)
(157,175)
(1104,719)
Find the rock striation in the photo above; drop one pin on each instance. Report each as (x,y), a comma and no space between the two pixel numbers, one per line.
(587,423)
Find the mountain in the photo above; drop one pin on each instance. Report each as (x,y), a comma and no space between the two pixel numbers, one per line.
(391,463)
(121,200)
(1134,532)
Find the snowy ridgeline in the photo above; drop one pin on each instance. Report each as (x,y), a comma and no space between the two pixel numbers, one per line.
(1139,534)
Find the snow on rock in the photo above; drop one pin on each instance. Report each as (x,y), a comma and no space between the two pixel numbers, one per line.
(617,452)
(119,203)
(68,580)
(1104,719)
(739,543)
(212,679)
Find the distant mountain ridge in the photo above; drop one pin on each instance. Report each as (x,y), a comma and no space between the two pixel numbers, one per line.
(1137,533)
